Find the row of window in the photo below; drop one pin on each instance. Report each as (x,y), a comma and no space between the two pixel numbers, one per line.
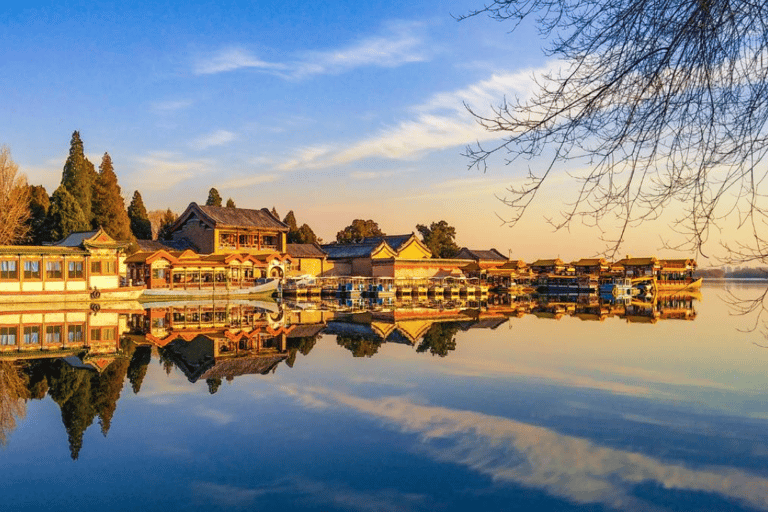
(32,269)
(32,334)
(9,269)
(231,239)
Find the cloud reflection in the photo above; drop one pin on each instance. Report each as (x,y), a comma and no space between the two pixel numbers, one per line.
(537,457)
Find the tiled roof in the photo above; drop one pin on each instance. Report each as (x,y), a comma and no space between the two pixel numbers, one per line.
(637,261)
(338,251)
(481,254)
(241,217)
(547,263)
(305,250)
(76,239)
(394,241)
(153,245)
(588,262)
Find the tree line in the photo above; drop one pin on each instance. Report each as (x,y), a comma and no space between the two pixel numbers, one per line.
(88,198)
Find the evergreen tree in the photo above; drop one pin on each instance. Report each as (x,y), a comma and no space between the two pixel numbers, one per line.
(108,203)
(231,203)
(79,176)
(65,215)
(290,221)
(141,227)
(358,230)
(304,235)
(39,203)
(164,233)
(214,199)
(274,213)
(440,238)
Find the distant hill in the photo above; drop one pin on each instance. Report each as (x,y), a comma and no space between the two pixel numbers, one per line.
(741,273)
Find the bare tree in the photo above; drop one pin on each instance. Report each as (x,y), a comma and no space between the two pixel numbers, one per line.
(14,201)
(663,100)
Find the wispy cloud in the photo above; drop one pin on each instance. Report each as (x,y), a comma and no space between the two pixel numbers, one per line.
(230,59)
(247,181)
(217,138)
(312,493)
(400,43)
(371,175)
(161,170)
(439,123)
(171,105)
(531,456)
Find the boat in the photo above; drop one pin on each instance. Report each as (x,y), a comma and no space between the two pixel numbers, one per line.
(670,285)
(554,284)
(268,286)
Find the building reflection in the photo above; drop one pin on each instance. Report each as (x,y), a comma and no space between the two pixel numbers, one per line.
(81,357)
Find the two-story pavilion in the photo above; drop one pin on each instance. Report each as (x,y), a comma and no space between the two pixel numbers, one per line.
(593,266)
(218,230)
(548,266)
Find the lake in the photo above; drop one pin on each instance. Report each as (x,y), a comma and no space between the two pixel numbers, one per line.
(558,406)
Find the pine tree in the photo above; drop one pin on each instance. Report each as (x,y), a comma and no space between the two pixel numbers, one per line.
(65,215)
(290,221)
(304,235)
(39,203)
(274,213)
(214,199)
(231,203)
(79,176)
(141,227)
(108,203)
(164,233)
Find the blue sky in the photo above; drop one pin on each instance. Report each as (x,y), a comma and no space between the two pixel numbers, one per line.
(341,111)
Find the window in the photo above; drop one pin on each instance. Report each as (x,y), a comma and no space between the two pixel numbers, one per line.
(53,334)
(95,334)
(8,335)
(108,333)
(158,273)
(9,269)
(95,267)
(75,270)
(108,267)
(53,270)
(32,335)
(75,334)
(269,241)
(32,269)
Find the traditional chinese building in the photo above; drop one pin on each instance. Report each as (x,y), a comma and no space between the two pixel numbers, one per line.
(217,230)
(84,265)
(593,266)
(306,259)
(485,259)
(548,266)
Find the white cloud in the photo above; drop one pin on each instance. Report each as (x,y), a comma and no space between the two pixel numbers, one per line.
(171,105)
(161,170)
(217,138)
(441,122)
(230,59)
(400,43)
(247,181)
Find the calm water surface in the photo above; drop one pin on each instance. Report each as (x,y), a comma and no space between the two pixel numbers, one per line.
(486,410)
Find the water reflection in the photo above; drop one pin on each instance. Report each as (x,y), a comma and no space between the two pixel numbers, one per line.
(510,401)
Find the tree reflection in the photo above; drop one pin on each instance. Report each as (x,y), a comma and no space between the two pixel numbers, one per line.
(359,344)
(82,393)
(440,339)
(13,396)
(302,345)
(137,369)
